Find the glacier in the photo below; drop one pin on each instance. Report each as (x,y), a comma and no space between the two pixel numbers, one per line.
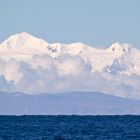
(33,66)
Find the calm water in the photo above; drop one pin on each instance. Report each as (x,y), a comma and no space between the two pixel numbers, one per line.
(69,127)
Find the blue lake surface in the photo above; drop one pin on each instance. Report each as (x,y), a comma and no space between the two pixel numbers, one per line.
(70,127)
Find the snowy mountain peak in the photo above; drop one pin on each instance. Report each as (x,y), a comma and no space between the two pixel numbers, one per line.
(22,46)
(121,48)
(25,35)
(22,39)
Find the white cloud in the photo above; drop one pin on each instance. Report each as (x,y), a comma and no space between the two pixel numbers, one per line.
(44,74)
(72,65)
(10,70)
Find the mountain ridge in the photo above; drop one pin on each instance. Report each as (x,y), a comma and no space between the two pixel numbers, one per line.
(25,35)
(24,46)
(86,103)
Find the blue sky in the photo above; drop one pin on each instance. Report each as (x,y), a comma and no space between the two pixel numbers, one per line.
(94,22)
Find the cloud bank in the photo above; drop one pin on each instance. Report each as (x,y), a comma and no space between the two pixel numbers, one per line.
(45,74)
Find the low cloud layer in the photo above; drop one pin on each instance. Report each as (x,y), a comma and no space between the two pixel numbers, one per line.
(44,74)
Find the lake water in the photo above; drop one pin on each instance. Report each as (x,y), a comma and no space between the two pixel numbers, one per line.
(70,127)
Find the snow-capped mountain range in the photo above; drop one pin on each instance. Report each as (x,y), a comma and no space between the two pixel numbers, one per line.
(32,65)
(118,58)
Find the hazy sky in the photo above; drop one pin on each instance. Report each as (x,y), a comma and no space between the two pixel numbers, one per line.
(94,22)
